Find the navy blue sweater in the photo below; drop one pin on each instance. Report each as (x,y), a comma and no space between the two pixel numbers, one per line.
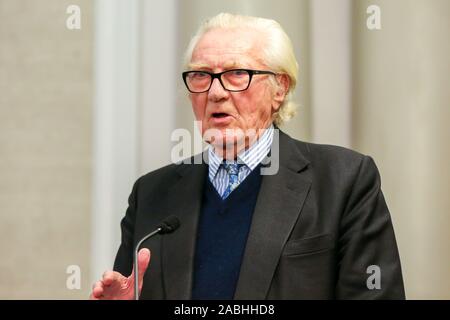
(221,238)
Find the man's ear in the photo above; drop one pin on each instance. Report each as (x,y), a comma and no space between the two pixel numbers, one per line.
(281,90)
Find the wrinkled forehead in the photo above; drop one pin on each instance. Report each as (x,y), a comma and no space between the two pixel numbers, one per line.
(229,48)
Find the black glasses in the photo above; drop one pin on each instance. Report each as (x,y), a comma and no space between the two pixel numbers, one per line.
(234,80)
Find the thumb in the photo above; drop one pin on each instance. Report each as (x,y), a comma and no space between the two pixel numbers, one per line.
(143,262)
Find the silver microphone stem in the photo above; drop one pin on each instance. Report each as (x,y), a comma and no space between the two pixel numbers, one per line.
(136,267)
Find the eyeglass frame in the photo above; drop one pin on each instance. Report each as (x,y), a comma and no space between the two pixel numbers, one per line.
(218,75)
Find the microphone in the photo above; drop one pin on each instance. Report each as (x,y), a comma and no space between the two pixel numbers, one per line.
(170,224)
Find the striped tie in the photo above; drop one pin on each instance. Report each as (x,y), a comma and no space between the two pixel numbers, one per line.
(233,177)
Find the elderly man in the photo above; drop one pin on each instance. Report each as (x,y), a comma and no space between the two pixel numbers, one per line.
(316,228)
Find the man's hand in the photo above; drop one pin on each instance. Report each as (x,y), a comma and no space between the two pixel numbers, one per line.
(115,286)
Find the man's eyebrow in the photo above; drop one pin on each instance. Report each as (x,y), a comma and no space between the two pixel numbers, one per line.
(197,66)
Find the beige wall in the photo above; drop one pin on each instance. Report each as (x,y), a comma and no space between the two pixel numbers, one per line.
(45,148)
(401,113)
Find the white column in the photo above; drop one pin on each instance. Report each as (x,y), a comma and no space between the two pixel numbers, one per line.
(115,124)
(158,82)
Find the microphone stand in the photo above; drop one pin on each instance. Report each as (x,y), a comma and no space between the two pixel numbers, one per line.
(136,267)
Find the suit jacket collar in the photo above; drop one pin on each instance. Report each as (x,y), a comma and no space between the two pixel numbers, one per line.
(278,207)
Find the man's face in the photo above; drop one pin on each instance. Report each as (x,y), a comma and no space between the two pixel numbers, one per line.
(223,49)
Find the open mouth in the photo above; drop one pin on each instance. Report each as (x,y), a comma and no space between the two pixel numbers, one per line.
(220,115)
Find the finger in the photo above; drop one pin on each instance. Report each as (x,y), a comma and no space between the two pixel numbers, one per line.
(109,277)
(143,262)
(97,284)
(97,292)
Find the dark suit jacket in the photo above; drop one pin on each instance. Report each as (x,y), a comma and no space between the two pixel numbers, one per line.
(318,224)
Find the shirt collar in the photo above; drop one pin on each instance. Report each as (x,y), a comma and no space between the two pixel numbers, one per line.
(250,157)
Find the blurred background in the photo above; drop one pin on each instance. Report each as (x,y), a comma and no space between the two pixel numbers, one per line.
(84,112)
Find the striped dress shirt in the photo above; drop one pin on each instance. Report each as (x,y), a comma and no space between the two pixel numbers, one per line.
(250,158)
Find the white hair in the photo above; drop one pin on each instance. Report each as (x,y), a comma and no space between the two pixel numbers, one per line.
(278,53)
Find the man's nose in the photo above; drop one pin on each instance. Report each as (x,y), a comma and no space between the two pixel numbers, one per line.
(217,91)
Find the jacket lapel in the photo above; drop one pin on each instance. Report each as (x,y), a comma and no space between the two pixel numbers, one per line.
(278,207)
(184,201)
